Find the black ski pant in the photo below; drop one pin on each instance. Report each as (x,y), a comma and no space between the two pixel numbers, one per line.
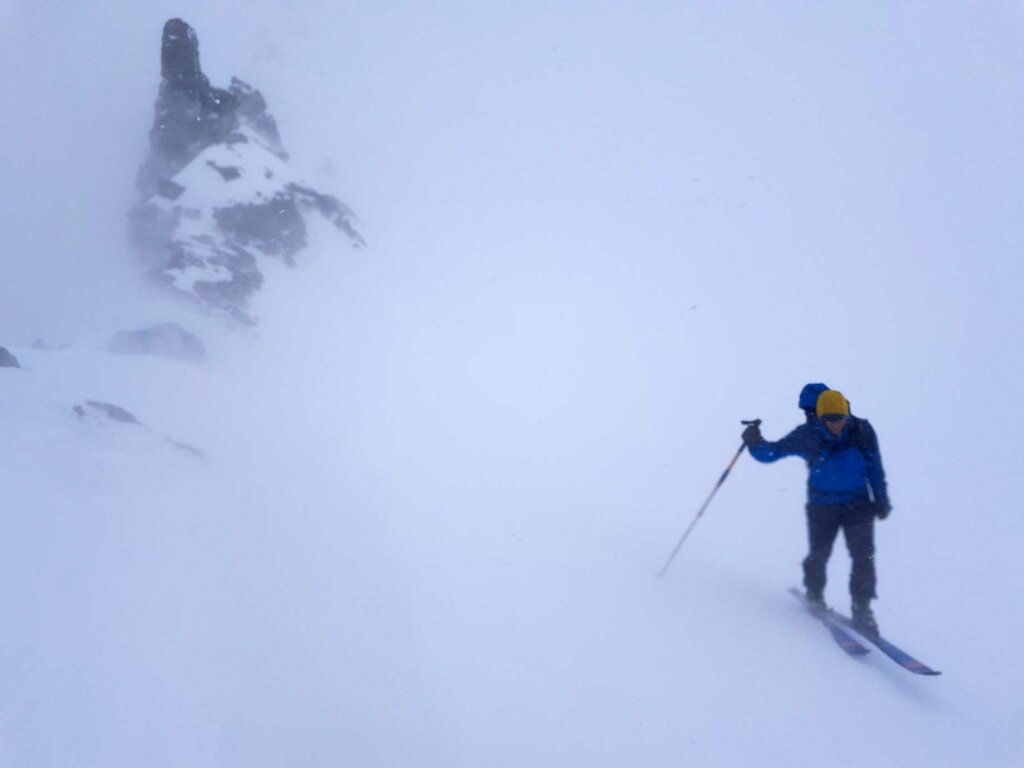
(857,520)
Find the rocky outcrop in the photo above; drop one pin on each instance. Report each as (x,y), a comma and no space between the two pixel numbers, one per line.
(218,195)
(7,360)
(111,411)
(164,340)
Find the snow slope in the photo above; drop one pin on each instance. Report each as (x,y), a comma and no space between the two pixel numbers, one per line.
(439,481)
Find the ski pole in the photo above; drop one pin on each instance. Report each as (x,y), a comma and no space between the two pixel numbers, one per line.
(728,469)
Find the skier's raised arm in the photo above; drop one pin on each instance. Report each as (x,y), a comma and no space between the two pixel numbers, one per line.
(799,442)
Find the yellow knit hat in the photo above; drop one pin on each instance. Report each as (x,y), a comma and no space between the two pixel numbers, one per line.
(831,401)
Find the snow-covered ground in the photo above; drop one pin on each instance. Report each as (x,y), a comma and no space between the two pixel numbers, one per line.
(440,477)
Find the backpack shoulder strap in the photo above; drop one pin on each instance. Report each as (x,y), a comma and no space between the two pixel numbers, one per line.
(859,434)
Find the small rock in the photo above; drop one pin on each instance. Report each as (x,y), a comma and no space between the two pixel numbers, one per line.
(227,172)
(115,412)
(41,345)
(189,449)
(168,189)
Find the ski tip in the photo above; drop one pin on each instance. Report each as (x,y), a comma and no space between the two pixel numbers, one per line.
(921,669)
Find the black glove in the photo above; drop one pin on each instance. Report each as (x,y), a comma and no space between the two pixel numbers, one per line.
(882,509)
(752,435)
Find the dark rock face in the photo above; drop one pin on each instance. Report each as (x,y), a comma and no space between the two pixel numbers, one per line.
(275,227)
(164,340)
(190,113)
(217,194)
(7,360)
(252,109)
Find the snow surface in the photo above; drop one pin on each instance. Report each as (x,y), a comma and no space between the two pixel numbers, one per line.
(261,176)
(439,481)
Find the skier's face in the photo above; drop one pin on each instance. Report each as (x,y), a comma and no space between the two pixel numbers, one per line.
(834,425)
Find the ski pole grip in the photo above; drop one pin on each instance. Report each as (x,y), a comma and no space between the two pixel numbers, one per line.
(755,422)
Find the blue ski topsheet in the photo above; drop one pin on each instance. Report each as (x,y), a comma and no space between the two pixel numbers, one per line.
(845,640)
(898,655)
(837,624)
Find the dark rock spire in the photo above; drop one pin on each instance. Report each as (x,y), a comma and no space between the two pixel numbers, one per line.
(190,114)
(217,195)
(179,56)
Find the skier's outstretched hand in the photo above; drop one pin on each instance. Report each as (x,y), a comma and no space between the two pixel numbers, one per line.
(882,510)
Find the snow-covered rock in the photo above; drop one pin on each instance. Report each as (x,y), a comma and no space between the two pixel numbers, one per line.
(164,340)
(218,195)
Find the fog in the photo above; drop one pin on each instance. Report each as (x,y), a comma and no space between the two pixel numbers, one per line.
(442,471)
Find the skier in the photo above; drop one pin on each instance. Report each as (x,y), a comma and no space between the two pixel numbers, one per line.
(845,489)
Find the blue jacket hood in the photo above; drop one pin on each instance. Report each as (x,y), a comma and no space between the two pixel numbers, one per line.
(809,395)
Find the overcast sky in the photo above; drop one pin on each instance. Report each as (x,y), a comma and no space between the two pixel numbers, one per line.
(656,158)
(747,193)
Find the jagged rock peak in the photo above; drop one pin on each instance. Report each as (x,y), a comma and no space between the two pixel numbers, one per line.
(217,195)
(192,115)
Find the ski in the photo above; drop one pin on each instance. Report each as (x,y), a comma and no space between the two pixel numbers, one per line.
(898,655)
(843,639)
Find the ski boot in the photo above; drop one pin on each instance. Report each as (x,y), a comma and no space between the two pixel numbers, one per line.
(864,619)
(816,603)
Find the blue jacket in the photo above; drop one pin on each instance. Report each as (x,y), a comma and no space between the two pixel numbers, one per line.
(842,467)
